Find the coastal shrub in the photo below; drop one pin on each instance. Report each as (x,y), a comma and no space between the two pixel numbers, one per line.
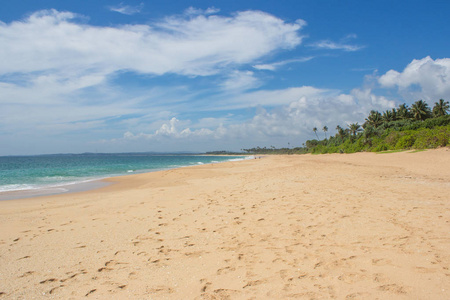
(436,122)
(433,138)
(405,142)
(392,139)
(318,149)
(381,147)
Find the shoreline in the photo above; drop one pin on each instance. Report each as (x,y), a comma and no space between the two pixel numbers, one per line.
(310,226)
(87,185)
(54,190)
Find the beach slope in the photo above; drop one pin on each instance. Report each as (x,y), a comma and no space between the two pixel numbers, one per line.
(359,226)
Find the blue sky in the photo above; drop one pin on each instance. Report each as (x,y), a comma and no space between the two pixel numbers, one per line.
(87,76)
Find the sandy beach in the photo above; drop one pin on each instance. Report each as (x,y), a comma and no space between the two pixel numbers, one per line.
(356,226)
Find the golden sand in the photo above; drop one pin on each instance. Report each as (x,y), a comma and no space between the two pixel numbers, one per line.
(359,226)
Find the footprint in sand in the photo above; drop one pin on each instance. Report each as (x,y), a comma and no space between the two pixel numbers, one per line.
(24,257)
(253,283)
(380,262)
(221,294)
(205,286)
(393,288)
(225,270)
(73,275)
(358,296)
(160,289)
(90,292)
(54,289)
(104,269)
(48,280)
(26,274)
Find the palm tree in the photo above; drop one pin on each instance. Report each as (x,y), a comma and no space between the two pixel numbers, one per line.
(390,115)
(440,108)
(325,129)
(315,131)
(354,128)
(403,112)
(374,119)
(394,114)
(420,110)
(341,131)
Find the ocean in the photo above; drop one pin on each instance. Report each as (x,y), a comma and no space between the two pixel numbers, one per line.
(25,173)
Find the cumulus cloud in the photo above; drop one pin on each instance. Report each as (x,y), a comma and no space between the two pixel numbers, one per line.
(170,129)
(424,78)
(59,68)
(304,108)
(127,9)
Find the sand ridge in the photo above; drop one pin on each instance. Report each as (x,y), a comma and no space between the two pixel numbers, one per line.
(361,226)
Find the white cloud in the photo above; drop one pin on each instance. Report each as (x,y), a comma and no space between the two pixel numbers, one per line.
(424,78)
(57,77)
(343,44)
(197,11)
(327,44)
(274,66)
(239,81)
(171,130)
(197,45)
(294,119)
(270,98)
(127,9)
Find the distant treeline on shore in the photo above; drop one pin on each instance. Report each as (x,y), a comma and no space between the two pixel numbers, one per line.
(415,127)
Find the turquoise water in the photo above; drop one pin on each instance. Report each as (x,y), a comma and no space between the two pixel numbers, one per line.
(18,173)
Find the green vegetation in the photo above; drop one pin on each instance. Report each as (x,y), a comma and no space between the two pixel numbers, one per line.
(273,150)
(418,127)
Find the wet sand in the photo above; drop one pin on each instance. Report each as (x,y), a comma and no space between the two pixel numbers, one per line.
(56,190)
(362,226)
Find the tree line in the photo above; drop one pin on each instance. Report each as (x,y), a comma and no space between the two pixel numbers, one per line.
(403,127)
